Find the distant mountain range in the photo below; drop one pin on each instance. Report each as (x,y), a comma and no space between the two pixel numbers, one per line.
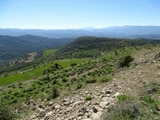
(152,32)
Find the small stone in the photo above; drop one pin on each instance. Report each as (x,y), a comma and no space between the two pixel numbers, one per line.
(94,110)
(82,111)
(108,95)
(86,92)
(58,118)
(77,103)
(79,118)
(107,99)
(74,92)
(108,91)
(88,103)
(46,118)
(69,109)
(49,113)
(57,106)
(103,104)
(42,112)
(117,93)
(66,103)
(97,116)
(51,103)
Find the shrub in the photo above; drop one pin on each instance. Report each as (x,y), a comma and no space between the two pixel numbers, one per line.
(73,64)
(151,103)
(88,98)
(90,80)
(123,97)
(104,79)
(125,60)
(79,85)
(5,113)
(67,84)
(54,81)
(64,79)
(151,88)
(126,110)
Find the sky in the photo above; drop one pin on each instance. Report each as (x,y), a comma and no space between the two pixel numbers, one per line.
(73,14)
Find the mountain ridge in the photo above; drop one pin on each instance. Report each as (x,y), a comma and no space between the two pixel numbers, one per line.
(115,31)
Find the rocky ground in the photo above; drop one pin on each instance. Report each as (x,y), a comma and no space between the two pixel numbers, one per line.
(91,102)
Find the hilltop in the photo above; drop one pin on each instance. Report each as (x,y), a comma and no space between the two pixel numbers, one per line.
(121,83)
(95,46)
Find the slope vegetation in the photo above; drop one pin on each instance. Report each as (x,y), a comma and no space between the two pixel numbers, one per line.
(120,84)
(95,46)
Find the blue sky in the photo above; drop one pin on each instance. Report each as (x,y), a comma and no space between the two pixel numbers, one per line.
(68,14)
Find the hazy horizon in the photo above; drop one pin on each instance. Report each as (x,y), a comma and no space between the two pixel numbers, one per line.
(83,28)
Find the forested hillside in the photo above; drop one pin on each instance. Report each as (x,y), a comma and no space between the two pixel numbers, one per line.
(16,47)
(95,46)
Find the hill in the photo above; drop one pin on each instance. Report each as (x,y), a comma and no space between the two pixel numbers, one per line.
(121,83)
(95,46)
(18,47)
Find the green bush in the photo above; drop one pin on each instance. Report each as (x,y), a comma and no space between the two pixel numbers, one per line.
(73,64)
(5,113)
(79,85)
(54,81)
(104,79)
(151,103)
(125,60)
(123,97)
(126,110)
(88,98)
(64,79)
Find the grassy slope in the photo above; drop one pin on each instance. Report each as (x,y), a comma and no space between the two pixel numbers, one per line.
(37,71)
(48,52)
(130,79)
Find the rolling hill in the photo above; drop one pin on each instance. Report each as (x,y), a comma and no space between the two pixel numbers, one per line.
(15,47)
(95,46)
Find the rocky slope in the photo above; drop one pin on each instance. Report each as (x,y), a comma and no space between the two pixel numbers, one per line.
(93,101)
